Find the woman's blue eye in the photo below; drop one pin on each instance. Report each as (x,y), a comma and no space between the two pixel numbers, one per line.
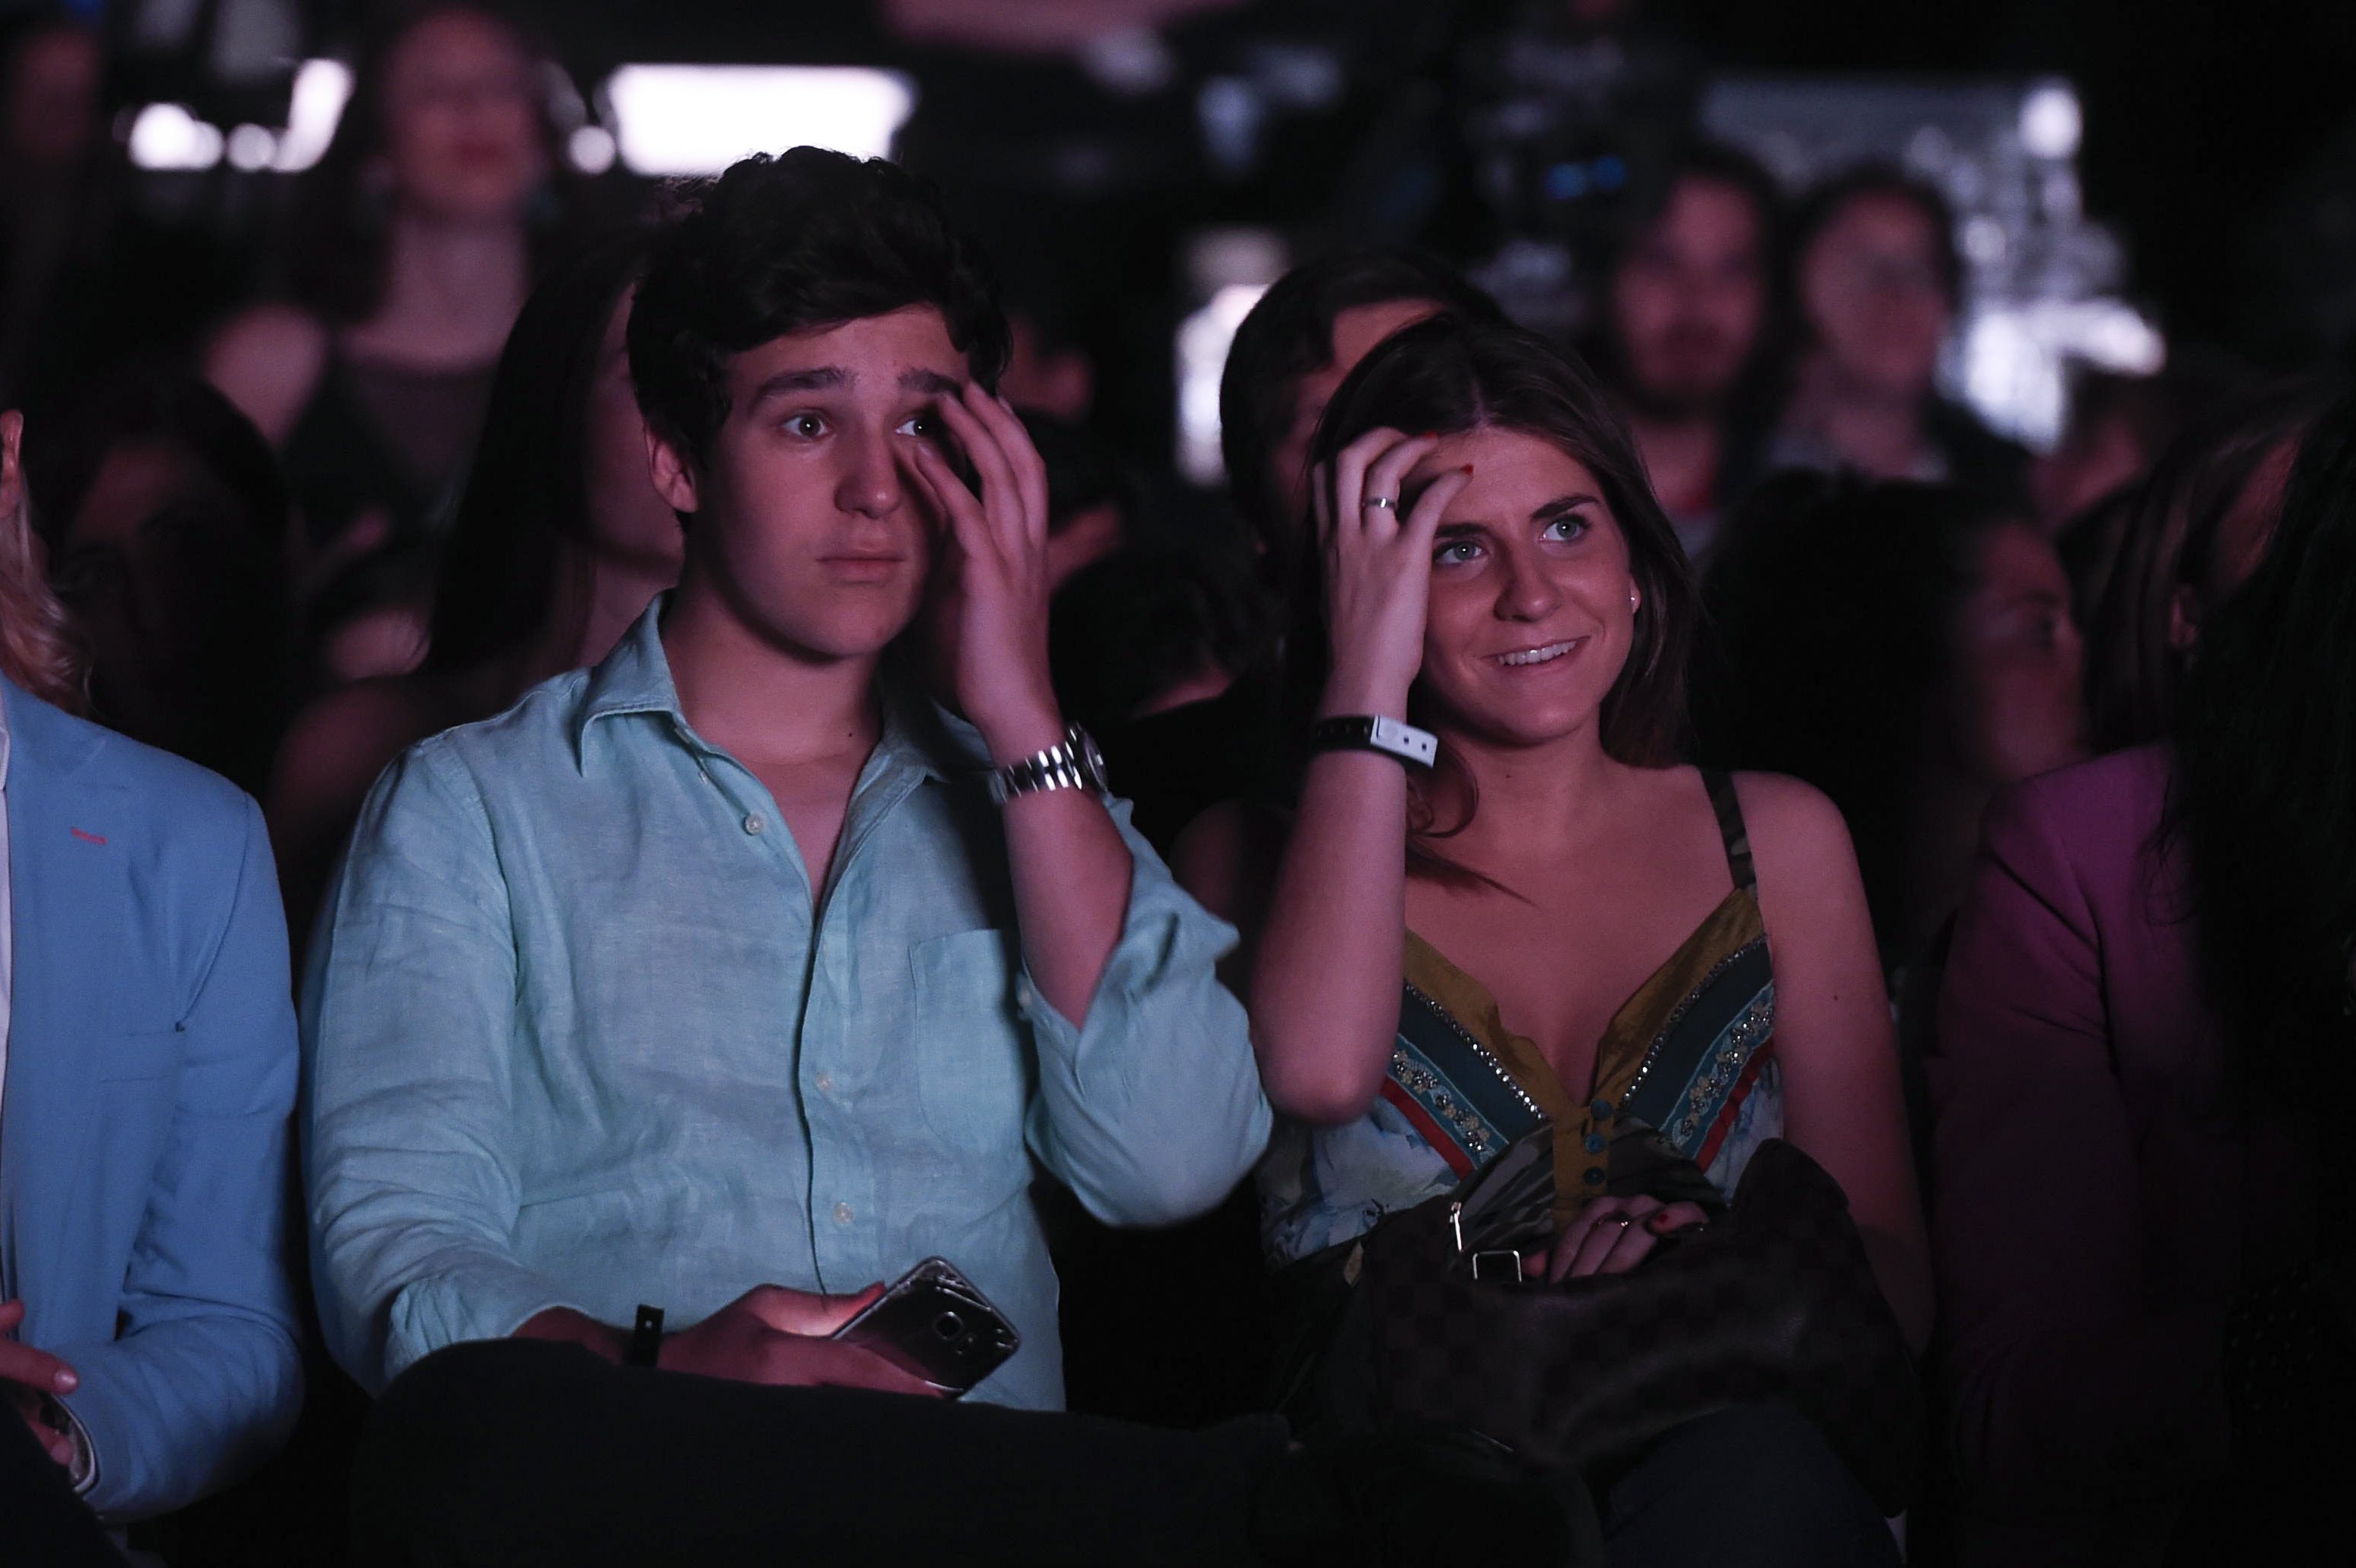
(1456,552)
(1565,529)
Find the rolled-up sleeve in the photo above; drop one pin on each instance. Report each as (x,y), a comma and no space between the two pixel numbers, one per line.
(408,1030)
(1152,1111)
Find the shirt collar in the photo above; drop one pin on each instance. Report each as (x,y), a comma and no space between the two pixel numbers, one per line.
(635,679)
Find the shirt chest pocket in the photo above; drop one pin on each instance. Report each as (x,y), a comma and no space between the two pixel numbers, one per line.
(972,1051)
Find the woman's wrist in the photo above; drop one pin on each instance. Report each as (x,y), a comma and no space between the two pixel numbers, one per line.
(1374,696)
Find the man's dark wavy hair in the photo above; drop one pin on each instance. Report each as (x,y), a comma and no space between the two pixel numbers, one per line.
(777,245)
(1290,335)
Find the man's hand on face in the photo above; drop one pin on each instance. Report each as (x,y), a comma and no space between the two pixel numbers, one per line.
(995,549)
(29,1378)
(772,1335)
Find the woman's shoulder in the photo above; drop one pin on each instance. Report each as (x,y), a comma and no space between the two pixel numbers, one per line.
(268,359)
(1788,818)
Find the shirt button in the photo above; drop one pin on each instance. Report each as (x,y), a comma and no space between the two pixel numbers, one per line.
(752,824)
(842,1214)
(826,1083)
(1023,995)
(1592,1176)
(1602,1110)
(1594,1140)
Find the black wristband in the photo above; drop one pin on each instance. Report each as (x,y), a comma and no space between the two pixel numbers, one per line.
(1364,732)
(645,1338)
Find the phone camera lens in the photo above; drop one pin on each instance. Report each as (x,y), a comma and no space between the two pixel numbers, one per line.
(949,1327)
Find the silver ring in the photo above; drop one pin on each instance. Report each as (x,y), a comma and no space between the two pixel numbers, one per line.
(1380,503)
(1622,1220)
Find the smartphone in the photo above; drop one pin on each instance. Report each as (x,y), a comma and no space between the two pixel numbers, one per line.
(936,1323)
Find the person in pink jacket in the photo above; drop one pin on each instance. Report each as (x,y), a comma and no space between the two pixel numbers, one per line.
(2147,1027)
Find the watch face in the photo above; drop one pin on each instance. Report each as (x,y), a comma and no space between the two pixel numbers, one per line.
(1092,762)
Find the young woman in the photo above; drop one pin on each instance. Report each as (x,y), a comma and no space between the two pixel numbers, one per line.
(1557,886)
(559,543)
(2144,1070)
(414,243)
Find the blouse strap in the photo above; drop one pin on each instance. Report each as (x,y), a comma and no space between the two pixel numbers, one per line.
(1730,828)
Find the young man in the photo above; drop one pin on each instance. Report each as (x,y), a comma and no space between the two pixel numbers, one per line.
(733,976)
(147,1322)
(1684,312)
(1292,352)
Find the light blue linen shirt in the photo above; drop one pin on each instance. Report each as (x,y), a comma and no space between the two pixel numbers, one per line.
(577,1033)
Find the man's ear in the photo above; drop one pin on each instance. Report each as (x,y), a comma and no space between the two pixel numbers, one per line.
(673,473)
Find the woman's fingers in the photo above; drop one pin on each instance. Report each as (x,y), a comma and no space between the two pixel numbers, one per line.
(1386,476)
(1350,465)
(1598,1242)
(1677,1218)
(1423,521)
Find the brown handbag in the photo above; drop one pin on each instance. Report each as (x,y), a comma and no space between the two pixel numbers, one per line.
(1773,1302)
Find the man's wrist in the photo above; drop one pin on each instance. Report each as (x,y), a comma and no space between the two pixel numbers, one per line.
(1038,728)
(570,1326)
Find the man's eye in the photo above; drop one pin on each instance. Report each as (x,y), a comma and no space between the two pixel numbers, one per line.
(807,424)
(922,426)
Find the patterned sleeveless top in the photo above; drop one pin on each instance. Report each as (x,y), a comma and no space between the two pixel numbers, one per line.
(1686,1087)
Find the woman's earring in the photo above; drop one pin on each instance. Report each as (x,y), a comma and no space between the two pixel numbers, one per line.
(1633,598)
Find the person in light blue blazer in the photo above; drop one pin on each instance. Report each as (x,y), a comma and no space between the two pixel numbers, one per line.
(148,1330)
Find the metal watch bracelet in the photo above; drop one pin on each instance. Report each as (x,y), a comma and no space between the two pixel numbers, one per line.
(1075,765)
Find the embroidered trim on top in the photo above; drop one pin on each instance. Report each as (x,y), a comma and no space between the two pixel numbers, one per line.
(1684,1004)
(1430,1091)
(1488,1059)
(1723,1067)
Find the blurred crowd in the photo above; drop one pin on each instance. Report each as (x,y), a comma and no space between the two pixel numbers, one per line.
(303,514)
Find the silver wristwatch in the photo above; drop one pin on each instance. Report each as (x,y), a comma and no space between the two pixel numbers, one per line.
(1075,765)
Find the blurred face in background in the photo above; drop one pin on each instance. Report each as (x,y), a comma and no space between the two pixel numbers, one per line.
(1356,331)
(1874,296)
(627,520)
(52,100)
(2016,703)
(174,583)
(462,131)
(1689,298)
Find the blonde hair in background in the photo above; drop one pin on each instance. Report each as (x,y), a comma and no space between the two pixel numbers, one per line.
(36,649)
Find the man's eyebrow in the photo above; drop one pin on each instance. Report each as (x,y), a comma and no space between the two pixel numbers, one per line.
(930,382)
(786,383)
